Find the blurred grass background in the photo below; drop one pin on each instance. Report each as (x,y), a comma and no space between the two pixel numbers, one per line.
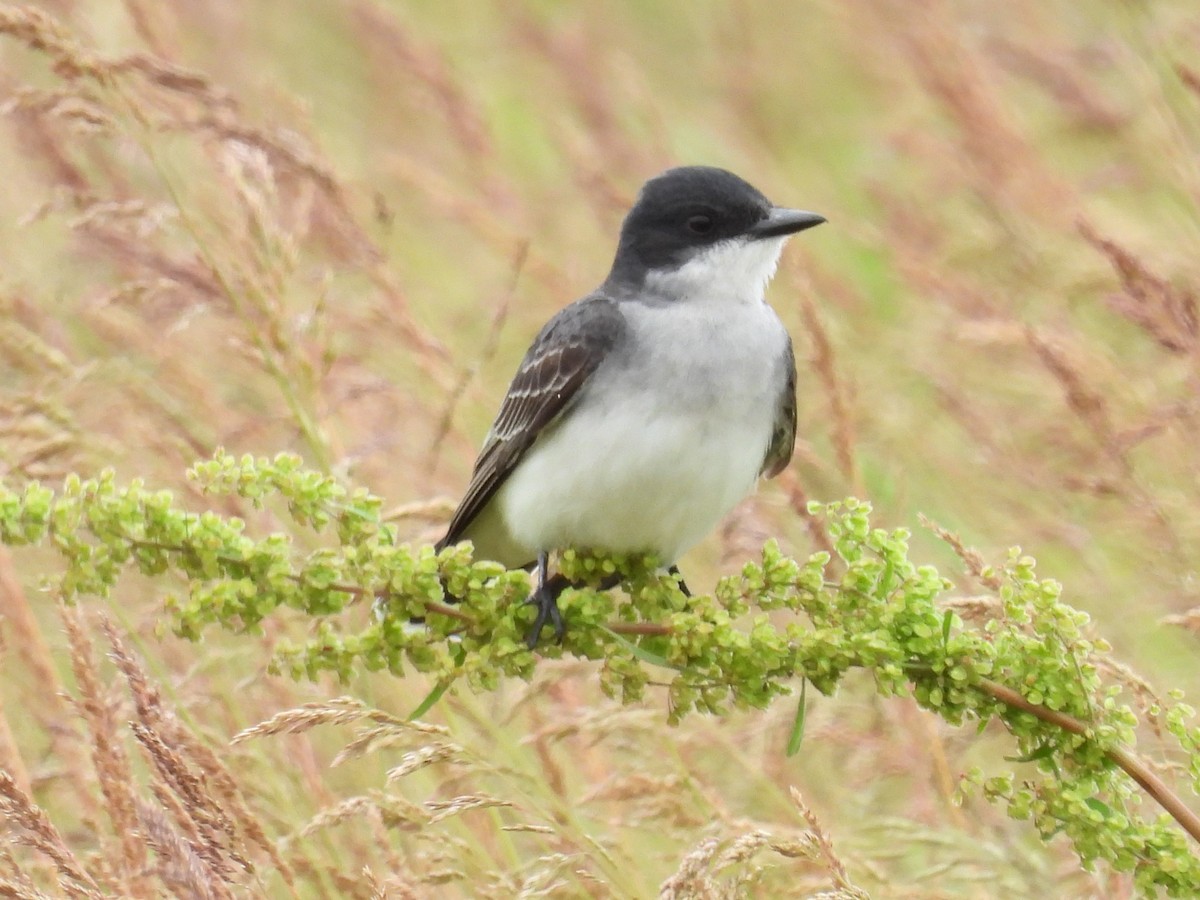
(333,228)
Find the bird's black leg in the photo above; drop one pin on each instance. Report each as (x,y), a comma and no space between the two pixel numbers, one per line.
(545,598)
(608,582)
(674,570)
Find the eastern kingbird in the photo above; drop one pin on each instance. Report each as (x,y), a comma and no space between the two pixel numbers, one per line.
(644,412)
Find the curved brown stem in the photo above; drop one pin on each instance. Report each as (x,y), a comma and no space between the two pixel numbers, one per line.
(639,628)
(1134,766)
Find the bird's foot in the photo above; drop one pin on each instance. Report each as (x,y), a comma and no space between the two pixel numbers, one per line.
(674,570)
(545,598)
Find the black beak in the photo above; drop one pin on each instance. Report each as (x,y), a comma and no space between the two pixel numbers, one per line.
(781,221)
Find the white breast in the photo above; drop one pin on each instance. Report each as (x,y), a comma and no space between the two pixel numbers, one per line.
(665,439)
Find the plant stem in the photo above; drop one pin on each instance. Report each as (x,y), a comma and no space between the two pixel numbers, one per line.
(1133,766)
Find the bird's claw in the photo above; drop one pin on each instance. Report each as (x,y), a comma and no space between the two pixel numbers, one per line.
(678,576)
(545,598)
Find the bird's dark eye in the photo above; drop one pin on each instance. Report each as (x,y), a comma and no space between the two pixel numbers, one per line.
(700,224)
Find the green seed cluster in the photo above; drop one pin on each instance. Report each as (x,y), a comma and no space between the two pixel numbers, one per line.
(761,634)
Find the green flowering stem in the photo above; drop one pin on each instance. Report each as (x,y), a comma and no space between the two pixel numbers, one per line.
(1135,767)
(450,611)
(430,605)
(781,622)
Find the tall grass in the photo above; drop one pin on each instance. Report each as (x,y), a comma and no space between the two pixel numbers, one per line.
(333,228)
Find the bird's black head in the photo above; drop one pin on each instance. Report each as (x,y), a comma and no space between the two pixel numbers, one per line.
(684,211)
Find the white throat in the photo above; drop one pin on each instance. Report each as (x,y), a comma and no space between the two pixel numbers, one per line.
(733,271)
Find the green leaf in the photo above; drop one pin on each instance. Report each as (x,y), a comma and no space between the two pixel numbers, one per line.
(1045,751)
(440,688)
(644,655)
(431,698)
(797,736)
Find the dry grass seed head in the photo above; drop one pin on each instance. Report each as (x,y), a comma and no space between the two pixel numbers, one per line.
(14,880)
(37,831)
(431,754)
(691,879)
(39,436)
(832,861)
(1057,69)
(215,829)
(980,608)
(444,809)
(970,557)
(215,793)
(596,724)
(1190,77)
(437,509)
(81,112)
(337,711)
(1165,312)
(224,788)
(390,732)
(42,33)
(427,65)
(181,867)
(389,810)
(1189,620)
(108,751)
(146,697)
(391,888)
(1083,397)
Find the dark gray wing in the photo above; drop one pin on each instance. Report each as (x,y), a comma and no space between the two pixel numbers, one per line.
(783,436)
(562,358)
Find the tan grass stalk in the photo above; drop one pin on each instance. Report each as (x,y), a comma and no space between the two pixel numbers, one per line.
(970,557)
(24,633)
(37,831)
(1166,312)
(176,861)
(337,711)
(108,754)
(799,499)
(14,881)
(214,794)
(838,394)
(11,760)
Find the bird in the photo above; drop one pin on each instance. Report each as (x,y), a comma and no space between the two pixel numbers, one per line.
(645,411)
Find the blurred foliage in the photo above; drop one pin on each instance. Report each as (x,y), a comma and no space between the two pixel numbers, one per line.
(333,229)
